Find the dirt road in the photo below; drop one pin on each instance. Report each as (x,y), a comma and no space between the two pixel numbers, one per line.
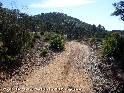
(66,73)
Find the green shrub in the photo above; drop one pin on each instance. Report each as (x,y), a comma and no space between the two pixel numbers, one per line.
(47,36)
(92,40)
(31,44)
(57,43)
(37,35)
(44,52)
(112,45)
(41,33)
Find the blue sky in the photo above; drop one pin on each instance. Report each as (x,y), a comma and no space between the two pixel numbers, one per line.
(89,11)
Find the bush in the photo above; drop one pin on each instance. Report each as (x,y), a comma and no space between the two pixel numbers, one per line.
(44,52)
(92,40)
(33,38)
(112,46)
(37,35)
(48,36)
(31,44)
(41,33)
(57,43)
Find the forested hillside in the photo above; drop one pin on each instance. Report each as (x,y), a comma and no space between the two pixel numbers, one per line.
(72,27)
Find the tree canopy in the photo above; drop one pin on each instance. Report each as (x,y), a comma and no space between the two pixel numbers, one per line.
(119,9)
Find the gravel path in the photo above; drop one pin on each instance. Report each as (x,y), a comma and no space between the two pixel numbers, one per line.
(66,71)
(72,71)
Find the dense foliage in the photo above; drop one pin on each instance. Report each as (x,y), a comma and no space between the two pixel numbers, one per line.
(14,36)
(57,43)
(110,44)
(113,46)
(67,25)
(119,9)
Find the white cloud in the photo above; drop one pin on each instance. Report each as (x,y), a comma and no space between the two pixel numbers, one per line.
(61,3)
